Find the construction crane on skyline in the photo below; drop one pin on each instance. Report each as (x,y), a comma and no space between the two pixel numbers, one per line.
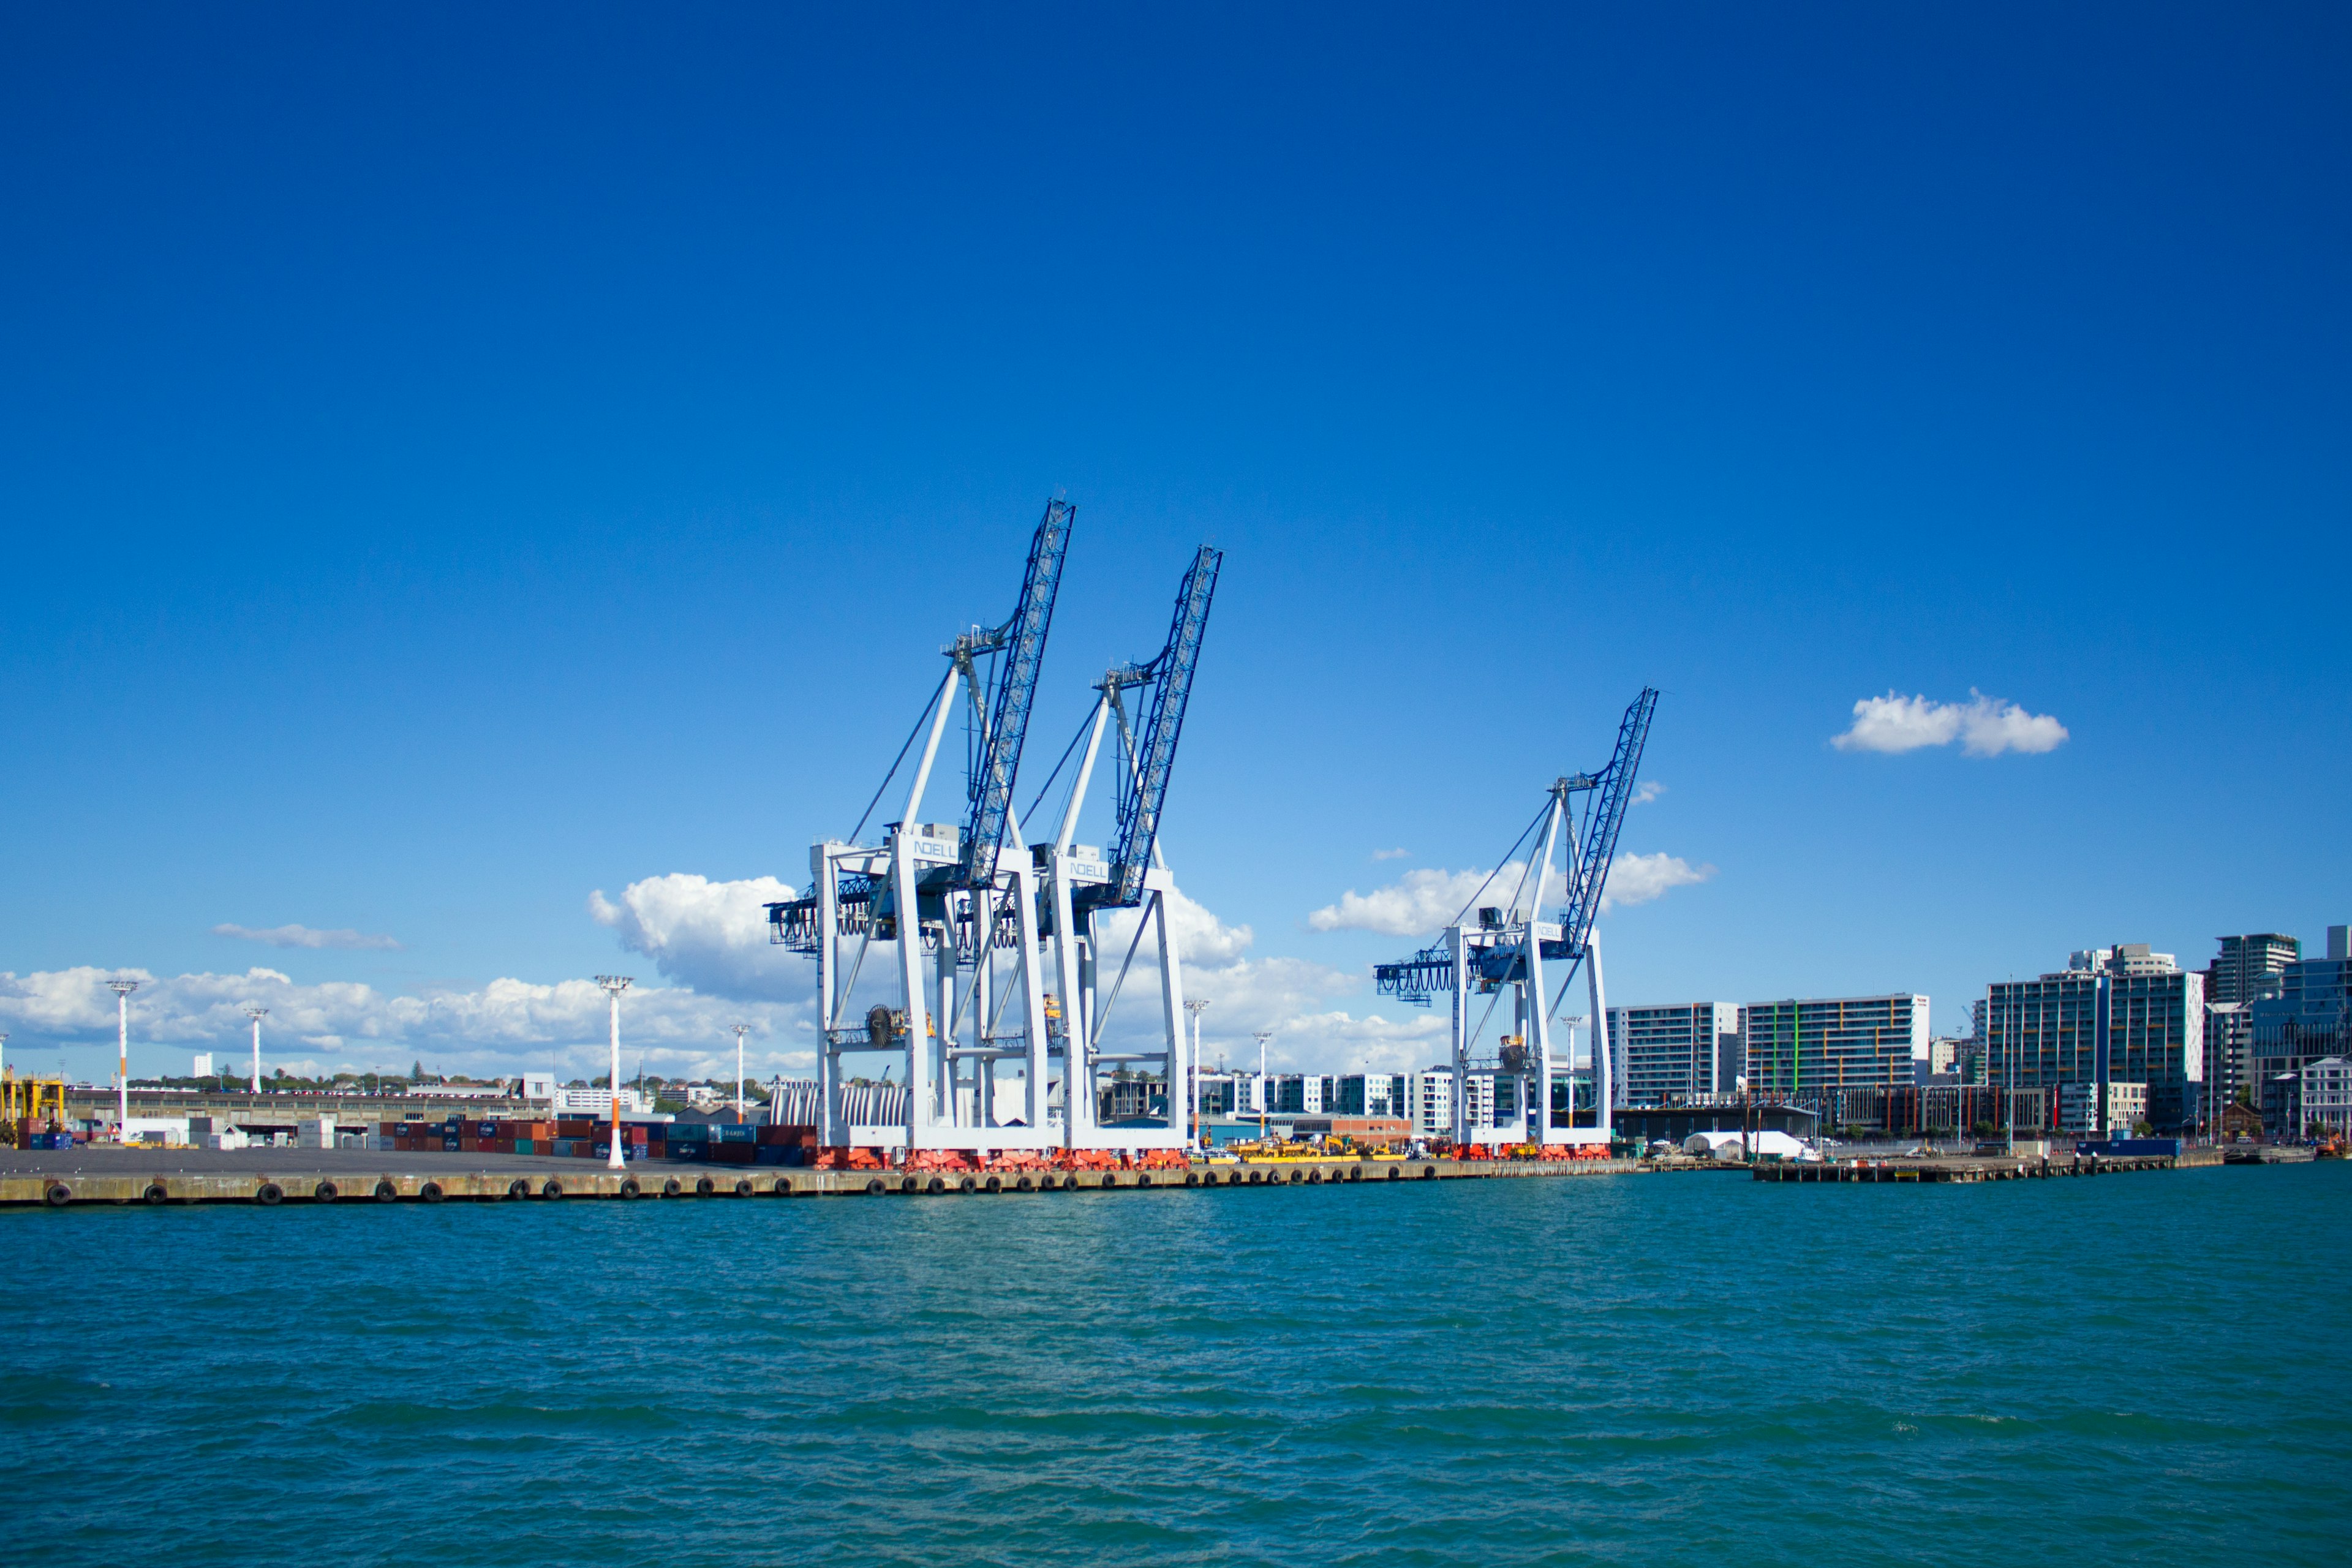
(1506,950)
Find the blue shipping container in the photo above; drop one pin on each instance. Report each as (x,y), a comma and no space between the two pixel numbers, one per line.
(733,1132)
(2116,1147)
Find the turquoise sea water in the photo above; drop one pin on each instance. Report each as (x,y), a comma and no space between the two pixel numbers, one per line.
(1655,1369)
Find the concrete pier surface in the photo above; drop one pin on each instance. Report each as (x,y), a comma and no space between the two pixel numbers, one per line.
(63,1178)
(1982,1168)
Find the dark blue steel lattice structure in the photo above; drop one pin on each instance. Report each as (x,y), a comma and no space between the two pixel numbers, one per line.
(1022,641)
(1143,785)
(1590,876)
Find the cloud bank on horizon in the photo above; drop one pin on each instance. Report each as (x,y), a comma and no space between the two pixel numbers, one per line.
(709,939)
(1427,900)
(1985,726)
(503,1026)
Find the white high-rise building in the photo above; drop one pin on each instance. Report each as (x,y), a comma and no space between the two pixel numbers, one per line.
(1675,1052)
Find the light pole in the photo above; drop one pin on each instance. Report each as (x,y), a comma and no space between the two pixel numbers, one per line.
(741,1030)
(1262,1040)
(257,1014)
(1194,1005)
(613,986)
(122,990)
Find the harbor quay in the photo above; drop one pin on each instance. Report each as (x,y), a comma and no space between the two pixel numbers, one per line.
(270,1177)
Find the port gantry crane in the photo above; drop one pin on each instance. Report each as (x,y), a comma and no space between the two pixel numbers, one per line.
(1083,885)
(1505,951)
(958,904)
(949,899)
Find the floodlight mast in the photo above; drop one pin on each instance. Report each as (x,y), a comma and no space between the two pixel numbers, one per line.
(613,986)
(257,1014)
(1195,1006)
(122,988)
(741,1030)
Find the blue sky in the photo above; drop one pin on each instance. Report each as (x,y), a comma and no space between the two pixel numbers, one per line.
(457,463)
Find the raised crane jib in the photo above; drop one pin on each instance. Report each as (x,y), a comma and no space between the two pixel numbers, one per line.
(1022,641)
(1588,877)
(1143,785)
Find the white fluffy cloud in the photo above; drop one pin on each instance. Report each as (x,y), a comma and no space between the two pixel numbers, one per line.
(1423,901)
(1287,997)
(506,1025)
(307,936)
(1986,726)
(710,935)
(1638,878)
(1650,790)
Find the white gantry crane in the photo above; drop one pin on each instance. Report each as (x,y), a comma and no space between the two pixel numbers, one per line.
(1505,951)
(975,918)
(1084,885)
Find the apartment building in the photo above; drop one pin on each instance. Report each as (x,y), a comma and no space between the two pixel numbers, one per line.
(1825,1044)
(1670,1053)
(2044,1033)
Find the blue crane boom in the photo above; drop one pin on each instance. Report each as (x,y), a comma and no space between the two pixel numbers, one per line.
(1590,876)
(1143,785)
(1023,640)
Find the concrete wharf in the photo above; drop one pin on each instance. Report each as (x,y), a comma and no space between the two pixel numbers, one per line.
(268,1177)
(1975,1169)
(162,1177)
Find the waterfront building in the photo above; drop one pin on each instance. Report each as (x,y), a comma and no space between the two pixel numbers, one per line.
(2309,1017)
(2247,967)
(1430,1094)
(2125,958)
(2228,1048)
(1371,1094)
(2044,1033)
(1219,1093)
(1671,1054)
(2078,1107)
(1825,1045)
(2327,1093)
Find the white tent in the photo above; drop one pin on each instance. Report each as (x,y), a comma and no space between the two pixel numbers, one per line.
(1725,1145)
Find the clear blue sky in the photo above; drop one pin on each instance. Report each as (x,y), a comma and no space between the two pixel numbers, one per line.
(456,460)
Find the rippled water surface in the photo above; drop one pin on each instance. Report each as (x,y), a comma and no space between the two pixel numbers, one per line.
(1653,1369)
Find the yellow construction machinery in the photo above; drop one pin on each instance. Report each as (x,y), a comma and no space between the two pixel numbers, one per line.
(28,1099)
